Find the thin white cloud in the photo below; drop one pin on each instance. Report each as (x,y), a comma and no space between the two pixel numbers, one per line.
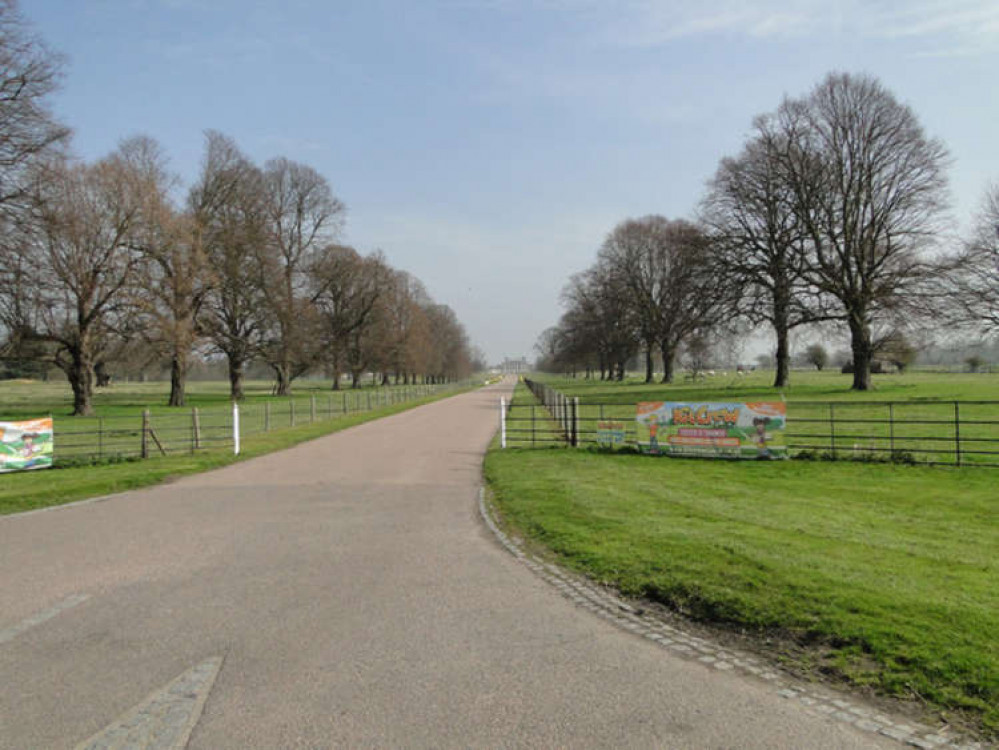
(652,23)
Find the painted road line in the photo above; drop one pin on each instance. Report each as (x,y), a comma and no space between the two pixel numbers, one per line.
(164,720)
(9,634)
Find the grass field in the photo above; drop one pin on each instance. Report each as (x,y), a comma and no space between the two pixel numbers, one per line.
(124,403)
(878,575)
(806,385)
(32,398)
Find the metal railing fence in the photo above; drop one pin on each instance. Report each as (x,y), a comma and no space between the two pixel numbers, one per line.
(952,433)
(170,431)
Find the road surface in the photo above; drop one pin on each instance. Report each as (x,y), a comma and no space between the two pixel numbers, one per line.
(343,593)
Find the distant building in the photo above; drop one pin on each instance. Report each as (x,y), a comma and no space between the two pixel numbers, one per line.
(515,366)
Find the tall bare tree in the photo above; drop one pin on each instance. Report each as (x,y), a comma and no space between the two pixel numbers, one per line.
(870,192)
(666,267)
(84,260)
(229,211)
(751,213)
(597,324)
(303,215)
(177,274)
(29,73)
(346,288)
(971,287)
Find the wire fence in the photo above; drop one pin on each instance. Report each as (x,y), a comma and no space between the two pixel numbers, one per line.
(952,433)
(171,431)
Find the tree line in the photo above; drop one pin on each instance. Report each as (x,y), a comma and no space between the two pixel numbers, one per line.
(109,259)
(834,212)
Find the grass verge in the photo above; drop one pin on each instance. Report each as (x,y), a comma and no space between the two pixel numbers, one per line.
(881,576)
(56,486)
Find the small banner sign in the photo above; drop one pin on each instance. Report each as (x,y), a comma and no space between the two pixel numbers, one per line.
(610,433)
(714,430)
(26,445)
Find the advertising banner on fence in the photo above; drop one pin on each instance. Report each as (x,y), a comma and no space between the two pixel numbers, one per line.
(26,445)
(610,434)
(717,430)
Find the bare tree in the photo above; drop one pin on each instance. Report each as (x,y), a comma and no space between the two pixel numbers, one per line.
(450,357)
(228,208)
(751,214)
(303,215)
(635,251)
(972,285)
(667,268)
(597,326)
(346,288)
(29,73)
(869,189)
(169,297)
(84,261)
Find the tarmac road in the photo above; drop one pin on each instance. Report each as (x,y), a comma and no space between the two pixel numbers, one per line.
(355,598)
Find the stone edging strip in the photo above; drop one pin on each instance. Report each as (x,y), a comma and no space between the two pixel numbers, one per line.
(603,604)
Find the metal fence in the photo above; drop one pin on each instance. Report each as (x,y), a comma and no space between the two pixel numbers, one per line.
(170,431)
(952,433)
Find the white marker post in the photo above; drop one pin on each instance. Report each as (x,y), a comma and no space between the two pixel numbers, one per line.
(502,422)
(235,428)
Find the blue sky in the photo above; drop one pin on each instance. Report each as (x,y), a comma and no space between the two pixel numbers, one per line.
(488,146)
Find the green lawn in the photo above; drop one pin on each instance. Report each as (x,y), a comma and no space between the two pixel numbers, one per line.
(32,398)
(880,575)
(805,386)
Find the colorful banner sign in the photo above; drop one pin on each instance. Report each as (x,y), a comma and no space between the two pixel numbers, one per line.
(26,445)
(610,433)
(717,430)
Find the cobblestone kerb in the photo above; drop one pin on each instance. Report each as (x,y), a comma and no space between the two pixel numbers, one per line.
(693,648)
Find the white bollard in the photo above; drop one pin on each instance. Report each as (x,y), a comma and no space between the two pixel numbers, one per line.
(235,428)
(502,422)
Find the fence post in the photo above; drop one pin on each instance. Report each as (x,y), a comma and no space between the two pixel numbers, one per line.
(235,428)
(267,416)
(369,400)
(329,405)
(312,407)
(196,428)
(832,429)
(533,428)
(145,433)
(575,422)
(502,422)
(957,431)
(100,437)
(291,410)
(891,427)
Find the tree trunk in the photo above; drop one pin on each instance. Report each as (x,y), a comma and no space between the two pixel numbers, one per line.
(783,354)
(283,372)
(649,371)
(81,379)
(178,378)
(336,373)
(863,351)
(235,379)
(668,354)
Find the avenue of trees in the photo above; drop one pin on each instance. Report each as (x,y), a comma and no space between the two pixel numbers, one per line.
(102,261)
(833,213)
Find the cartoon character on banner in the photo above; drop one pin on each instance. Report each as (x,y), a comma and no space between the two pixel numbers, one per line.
(760,437)
(654,434)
